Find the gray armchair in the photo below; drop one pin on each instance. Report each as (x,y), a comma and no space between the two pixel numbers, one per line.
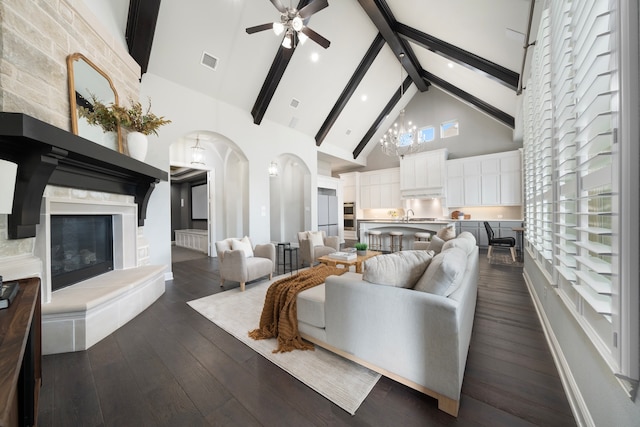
(240,262)
(314,244)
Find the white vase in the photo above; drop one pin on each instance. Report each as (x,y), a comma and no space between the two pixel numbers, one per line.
(137,145)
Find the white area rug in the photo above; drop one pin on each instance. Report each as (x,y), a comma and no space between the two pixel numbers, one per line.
(343,382)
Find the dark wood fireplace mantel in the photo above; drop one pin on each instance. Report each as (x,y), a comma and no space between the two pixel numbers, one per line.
(46,154)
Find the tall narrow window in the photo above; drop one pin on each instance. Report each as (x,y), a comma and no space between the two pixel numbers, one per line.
(571,159)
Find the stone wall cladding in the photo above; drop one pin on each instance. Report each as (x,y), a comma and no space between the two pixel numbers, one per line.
(36,36)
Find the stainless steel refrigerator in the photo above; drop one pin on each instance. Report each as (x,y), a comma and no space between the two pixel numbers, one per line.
(328,214)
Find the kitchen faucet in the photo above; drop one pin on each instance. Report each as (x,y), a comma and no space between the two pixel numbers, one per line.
(407,215)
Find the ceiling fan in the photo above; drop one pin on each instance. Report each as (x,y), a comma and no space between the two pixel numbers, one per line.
(293,24)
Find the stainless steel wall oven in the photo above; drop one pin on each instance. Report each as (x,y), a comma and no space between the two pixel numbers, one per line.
(349,212)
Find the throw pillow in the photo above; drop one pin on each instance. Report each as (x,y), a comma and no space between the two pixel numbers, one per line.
(400,269)
(244,245)
(444,274)
(315,238)
(446,233)
(435,244)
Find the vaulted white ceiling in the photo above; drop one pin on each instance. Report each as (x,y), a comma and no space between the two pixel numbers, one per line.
(491,29)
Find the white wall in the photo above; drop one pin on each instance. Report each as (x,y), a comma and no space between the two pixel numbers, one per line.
(479,133)
(190,110)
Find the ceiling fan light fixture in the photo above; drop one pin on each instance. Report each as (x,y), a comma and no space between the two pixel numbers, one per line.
(286,42)
(302,37)
(278,28)
(297,23)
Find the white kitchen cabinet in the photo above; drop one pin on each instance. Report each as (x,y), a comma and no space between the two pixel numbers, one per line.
(455,183)
(423,174)
(489,180)
(349,185)
(380,189)
(511,179)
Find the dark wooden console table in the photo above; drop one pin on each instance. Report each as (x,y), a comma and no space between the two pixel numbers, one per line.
(21,357)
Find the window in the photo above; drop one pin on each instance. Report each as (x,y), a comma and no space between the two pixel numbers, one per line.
(448,129)
(572,161)
(426,134)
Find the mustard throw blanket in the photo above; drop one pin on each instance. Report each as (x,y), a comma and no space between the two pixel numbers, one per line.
(280,315)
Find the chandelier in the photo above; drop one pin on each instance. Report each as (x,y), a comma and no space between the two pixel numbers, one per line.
(197,153)
(401,138)
(291,24)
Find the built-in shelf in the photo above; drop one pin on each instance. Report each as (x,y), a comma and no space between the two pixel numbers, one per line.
(47,155)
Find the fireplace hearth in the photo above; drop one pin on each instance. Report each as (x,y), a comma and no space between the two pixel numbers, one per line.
(81,248)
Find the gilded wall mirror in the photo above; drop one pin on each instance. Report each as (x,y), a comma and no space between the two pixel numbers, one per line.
(86,81)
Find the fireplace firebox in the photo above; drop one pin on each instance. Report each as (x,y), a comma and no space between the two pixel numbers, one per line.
(81,248)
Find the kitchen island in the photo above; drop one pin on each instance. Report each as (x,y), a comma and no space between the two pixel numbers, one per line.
(409,228)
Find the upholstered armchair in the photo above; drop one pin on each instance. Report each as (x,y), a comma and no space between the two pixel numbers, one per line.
(240,262)
(314,244)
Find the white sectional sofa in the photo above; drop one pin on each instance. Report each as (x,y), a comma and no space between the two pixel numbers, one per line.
(408,316)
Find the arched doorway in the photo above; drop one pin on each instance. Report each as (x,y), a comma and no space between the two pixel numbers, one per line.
(223,168)
(290,199)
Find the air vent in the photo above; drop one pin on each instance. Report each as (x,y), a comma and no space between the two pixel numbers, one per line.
(209,61)
(348,132)
(294,103)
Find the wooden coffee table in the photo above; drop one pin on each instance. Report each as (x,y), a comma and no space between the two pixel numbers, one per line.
(357,262)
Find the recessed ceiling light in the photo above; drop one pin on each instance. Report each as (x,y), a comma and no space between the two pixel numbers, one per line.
(363,98)
(315,57)
(450,64)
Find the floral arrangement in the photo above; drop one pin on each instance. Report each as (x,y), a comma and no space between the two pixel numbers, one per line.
(132,118)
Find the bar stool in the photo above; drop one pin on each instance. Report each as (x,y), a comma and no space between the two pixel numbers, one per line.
(375,240)
(421,237)
(395,244)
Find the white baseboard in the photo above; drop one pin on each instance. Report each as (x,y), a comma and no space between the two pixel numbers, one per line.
(578,406)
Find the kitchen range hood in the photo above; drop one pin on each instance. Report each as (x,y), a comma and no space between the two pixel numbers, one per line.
(423,193)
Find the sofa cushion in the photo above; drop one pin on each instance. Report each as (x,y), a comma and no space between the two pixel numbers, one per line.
(445,272)
(311,306)
(462,242)
(435,244)
(244,244)
(446,233)
(400,269)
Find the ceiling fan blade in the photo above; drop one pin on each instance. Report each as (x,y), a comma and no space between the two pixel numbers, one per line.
(259,28)
(316,37)
(279,6)
(313,7)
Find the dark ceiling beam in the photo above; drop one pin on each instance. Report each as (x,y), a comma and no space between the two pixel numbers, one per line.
(381,16)
(489,109)
(141,26)
(276,71)
(350,89)
(465,58)
(271,82)
(382,116)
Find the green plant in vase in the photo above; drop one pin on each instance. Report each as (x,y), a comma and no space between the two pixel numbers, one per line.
(361,248)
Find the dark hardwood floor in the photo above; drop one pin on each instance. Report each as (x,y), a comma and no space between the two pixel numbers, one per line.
(172,367)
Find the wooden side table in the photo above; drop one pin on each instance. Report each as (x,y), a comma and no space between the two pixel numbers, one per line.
(520,234)
(21,356)
(348,263)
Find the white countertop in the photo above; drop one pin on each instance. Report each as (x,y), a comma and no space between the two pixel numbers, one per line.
(398,221)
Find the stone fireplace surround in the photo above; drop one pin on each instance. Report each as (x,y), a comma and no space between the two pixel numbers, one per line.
(78,316)
(61,173)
